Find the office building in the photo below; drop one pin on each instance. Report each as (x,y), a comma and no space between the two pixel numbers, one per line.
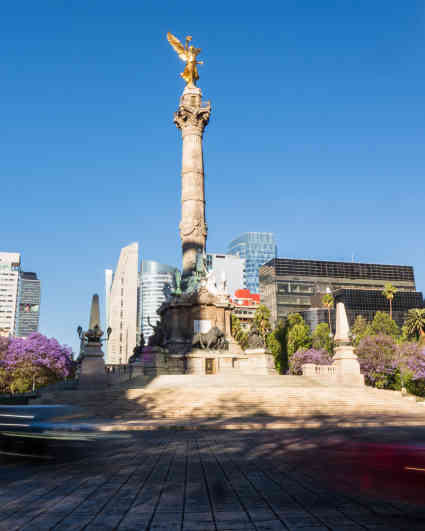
(256,248)
(9,286)
(121,306)
(28,314)
(315,316)
(245,305)
(109,275)
(154,280)
(228,267)
(368,302)
(291,285)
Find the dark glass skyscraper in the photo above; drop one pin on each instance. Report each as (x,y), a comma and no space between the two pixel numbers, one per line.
(28,314)
(257,248)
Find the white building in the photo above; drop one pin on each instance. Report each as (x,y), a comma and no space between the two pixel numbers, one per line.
(230,267)
(121,305)
(9,284)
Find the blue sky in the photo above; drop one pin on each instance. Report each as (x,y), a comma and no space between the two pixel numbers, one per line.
(317,134)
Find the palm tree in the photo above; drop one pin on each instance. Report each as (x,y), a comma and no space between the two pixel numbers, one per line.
(328,302)
(262,320)
(388,293)
(415,322)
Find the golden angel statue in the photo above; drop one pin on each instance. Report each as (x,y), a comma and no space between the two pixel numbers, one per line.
(187,54)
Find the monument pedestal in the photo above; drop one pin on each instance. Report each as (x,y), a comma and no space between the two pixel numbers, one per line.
(260,361)
(185,315)
(347,366)
(92,371)
(158,360)
(253,361)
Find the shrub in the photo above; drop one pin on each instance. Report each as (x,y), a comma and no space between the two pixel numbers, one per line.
(318,357)
(379,361)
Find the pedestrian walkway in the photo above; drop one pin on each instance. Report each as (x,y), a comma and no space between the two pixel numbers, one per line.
(212,481)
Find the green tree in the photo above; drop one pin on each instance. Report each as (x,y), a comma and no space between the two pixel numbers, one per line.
(388,293)
(262,321)
(415,323)
(359,330)
(328,302)
(298,334)
(239,333)
(322,338)
(275,344)
(383,324)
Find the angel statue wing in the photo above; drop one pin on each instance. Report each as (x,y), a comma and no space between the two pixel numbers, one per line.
(178,46)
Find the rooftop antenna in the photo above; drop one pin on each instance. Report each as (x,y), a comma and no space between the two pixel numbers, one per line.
(352,257)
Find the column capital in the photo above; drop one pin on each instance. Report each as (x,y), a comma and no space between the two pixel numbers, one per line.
(192,119)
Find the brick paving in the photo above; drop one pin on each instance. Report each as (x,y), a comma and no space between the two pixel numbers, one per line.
(199,481)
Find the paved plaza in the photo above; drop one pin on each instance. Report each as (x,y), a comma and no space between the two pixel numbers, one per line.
(217,480)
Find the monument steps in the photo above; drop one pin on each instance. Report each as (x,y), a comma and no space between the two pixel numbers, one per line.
(207,398)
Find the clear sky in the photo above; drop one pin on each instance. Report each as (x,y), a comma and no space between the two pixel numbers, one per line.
(317,134)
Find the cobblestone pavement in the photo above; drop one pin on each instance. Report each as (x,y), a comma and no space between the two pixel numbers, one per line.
(198,481)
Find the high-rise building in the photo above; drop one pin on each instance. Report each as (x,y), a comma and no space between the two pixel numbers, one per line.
(230,267)
(28,314)
(154,279)
(109,275)
(9,285)
(256,248)
(292,285)
(121,306)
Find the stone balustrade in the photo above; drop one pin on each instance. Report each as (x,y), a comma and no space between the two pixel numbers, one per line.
(334,373)
(319,371)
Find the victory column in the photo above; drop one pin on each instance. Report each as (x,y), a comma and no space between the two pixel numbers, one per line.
(194,334)
(191,118)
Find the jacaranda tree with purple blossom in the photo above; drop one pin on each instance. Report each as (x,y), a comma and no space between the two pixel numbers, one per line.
(312,355)
(412,367)
(379,359)
(34,361)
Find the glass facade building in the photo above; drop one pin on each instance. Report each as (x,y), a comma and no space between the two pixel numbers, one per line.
(28,314)
(256,248)
(290,285)
(154,280)
(368,302)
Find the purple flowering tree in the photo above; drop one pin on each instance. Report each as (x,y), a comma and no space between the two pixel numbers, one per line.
(35,360)
(4,343)
(379,358)
(312,355)
(412,367)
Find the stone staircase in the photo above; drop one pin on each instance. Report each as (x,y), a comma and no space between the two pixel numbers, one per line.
(243,399)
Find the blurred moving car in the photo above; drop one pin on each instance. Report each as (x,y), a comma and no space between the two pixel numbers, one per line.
(44,430)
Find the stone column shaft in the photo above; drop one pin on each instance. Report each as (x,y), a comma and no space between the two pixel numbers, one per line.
(191,118)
